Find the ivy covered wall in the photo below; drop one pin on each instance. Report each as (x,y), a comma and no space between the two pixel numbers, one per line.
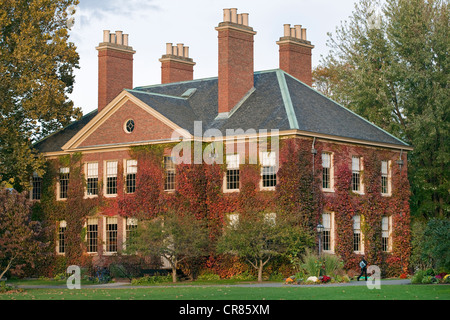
(298,197)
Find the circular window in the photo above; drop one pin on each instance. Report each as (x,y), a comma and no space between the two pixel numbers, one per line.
(129,126)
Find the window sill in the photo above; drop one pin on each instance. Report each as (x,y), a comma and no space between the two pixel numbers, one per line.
(267,188)
(230,190)
(328,190)
(110,195)
(386,195)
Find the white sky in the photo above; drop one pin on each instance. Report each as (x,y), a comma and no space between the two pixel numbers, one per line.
(153,23)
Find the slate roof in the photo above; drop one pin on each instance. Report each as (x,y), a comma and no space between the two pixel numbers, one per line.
(278,101)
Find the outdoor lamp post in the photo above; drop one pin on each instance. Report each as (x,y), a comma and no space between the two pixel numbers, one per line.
(319,231)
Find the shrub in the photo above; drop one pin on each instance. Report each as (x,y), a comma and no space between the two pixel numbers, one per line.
(247,276)
(430,272)
(208,276)
(149,280)
(333,264)
(418,277)
(429,279)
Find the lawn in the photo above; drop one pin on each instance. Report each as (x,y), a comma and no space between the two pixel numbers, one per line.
(387,292)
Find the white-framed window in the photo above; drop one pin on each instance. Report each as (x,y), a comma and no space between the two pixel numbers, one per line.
(111,235)
(92,178)
(356,174)
(92,235)
(385,178)
(169,173)
(386,223)
(328,232)
(64,174)
(268,170)
(36,184)
(111,177)
(232,174)
(130,178)
(61,241)
(327,171)
(357,234)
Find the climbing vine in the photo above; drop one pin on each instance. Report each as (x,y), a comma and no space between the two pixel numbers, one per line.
(298,198)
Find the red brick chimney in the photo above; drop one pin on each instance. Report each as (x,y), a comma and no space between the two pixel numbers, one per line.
(296,53)
(115,66)
(235,59)
(176,65)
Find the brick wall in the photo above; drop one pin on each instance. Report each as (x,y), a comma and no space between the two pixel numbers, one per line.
(235,67)
(112,130)
(115,73)
(296,60)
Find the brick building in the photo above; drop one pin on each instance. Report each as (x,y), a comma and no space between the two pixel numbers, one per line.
(280,100)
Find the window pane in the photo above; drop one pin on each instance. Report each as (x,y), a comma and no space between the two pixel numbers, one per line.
(111,177)
(326,160)
(63,182)
(36,187)
(92,235)
(355,164)
(169,166)
(111,234)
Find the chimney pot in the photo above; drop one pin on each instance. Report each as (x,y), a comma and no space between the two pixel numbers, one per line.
(106,36)
(125,40)
(292,32)
(119,36)
(226,15)
(303,37)
(186,52)
(180,49)
(245,19)
(233,15)
(287,30)
(298,32)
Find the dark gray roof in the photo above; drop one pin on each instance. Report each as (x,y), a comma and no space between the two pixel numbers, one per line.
(278,101)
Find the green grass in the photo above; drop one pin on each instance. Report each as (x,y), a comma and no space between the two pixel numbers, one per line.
(387,292)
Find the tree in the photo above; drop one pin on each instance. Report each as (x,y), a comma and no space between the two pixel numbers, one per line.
(389,63)
(172,236)
(36,68)
(19,235)
(258,239)
(436,241)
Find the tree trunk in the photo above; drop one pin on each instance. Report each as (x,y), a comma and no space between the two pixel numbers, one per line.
(260,270)
(174,273)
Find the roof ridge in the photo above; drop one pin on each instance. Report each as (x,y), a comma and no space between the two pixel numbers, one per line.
(155,94)
(293,123)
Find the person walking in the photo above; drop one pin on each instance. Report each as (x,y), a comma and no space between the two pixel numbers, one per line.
(363,266)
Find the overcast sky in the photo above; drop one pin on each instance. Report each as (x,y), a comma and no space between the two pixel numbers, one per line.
(153,23)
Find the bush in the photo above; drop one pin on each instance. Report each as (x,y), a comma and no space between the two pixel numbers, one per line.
(418,277)
(247,276)
(149,280)
(208,276)
(429,279)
